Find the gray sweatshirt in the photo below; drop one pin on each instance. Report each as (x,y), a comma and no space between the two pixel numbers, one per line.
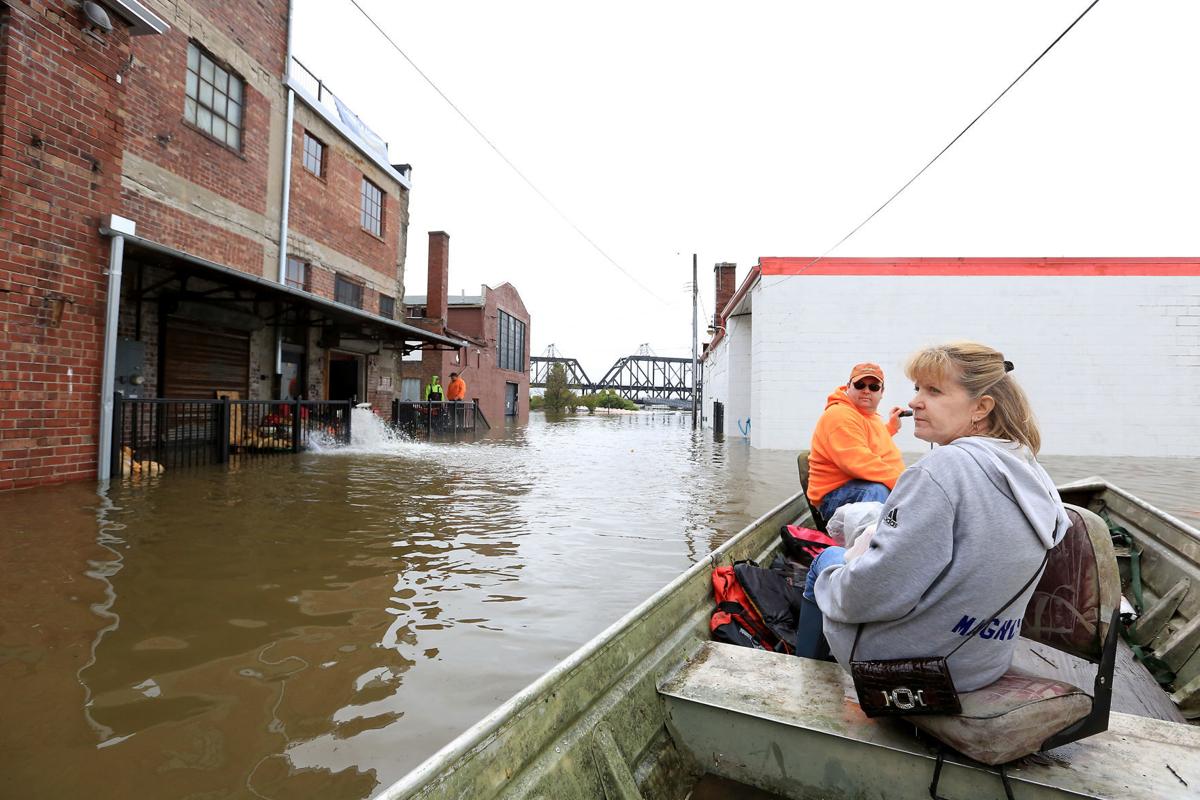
(962,531)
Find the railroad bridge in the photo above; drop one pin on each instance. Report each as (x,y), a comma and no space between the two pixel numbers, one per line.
(644,377)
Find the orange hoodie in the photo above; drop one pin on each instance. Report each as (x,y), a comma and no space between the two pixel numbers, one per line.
(850,444)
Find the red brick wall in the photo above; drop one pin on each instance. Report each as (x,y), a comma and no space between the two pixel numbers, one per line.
(161,223)
(328,209)
(478,365)
(726,284)
(490,379)
(156,130)
(466,319)
(60,167)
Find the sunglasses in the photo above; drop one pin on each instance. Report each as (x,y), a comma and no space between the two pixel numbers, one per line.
(874,387)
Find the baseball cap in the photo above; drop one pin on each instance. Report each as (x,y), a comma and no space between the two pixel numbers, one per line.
(866,370)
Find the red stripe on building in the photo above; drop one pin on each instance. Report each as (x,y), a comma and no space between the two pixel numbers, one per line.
(979,267)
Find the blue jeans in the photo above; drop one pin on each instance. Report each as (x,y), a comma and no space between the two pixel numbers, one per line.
(829,557)
(855,491)
(810,628)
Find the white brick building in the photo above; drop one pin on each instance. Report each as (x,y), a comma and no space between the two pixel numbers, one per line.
(1107,349)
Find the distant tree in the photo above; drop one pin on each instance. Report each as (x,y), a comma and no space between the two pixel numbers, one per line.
(610,399)
(536,401)
(558,398)
(590,401)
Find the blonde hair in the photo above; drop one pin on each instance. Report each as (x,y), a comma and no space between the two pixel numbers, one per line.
(982,371)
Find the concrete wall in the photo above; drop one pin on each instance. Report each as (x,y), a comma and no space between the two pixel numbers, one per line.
(740,412)
(1111,362)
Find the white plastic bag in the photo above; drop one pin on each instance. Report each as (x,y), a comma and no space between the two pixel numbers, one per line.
(850,520)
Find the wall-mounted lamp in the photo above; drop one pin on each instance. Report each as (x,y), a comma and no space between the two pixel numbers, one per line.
(97,19)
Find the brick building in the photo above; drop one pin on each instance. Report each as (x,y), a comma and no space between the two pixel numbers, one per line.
(1108,349)
(165,155)
(495,326)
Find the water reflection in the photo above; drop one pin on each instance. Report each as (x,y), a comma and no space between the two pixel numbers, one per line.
(317,625)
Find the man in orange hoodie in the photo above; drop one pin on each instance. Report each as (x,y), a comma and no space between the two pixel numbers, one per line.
(853,457)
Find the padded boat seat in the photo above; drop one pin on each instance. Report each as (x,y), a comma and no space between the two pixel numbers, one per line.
(1010,718)
(1074,609)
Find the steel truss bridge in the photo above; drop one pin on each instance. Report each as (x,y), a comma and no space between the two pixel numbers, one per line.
(643,378)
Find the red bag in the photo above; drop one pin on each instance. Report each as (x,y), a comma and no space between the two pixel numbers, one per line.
(737,620)
(803,544)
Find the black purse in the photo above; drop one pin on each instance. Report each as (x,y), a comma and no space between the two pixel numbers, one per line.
(904,687)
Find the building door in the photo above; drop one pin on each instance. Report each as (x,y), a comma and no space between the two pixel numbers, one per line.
(345,376)
(291,382)
(510,399)
(199,361)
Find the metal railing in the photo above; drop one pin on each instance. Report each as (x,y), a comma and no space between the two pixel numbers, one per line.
(151,435)
(426,419)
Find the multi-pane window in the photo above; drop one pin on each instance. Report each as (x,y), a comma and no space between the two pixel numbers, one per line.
(314,155)
(416,312)
(387,306)
(214,98)
(348,292)
(510,342)
(372,207)
(297,273)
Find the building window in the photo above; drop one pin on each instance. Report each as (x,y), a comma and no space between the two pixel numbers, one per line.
(510,343)
(297,273)
(416,312)
(372,207)
(214,98)
(347,292)
(410,390)
(387,306)
(314,155)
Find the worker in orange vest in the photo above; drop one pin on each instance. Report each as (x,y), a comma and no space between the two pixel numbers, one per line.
(456,392)
(457,389)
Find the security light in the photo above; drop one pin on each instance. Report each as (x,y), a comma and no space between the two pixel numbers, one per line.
(97,16)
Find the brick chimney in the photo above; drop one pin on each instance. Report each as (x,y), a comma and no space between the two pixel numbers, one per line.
(439,276)
(726,286)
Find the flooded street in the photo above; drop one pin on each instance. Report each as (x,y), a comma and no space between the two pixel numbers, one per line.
(317,625)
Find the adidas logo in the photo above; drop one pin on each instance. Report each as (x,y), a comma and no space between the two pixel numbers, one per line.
(890,519)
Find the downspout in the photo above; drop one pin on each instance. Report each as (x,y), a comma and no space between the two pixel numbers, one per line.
(108,372)
(287,185)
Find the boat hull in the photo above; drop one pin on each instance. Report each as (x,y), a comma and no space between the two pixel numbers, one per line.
(627,716)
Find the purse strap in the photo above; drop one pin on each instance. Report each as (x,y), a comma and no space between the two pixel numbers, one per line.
(986,620)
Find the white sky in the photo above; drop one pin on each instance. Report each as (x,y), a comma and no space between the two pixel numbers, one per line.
(764,129)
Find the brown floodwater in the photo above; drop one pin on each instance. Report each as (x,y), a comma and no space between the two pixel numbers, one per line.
(316,625)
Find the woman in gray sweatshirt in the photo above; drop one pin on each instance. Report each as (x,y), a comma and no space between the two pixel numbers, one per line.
(963,530)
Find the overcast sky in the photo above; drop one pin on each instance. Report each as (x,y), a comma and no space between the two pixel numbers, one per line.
(764,129)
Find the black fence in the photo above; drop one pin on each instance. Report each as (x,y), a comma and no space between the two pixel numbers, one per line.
(428,419)
(151,435)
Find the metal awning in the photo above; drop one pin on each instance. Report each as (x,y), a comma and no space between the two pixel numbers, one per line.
(254,288)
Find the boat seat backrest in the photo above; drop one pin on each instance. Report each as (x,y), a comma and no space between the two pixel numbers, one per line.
(802,468)
(1073,602)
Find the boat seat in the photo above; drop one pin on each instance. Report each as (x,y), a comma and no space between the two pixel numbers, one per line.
(802,468)
(1074,608)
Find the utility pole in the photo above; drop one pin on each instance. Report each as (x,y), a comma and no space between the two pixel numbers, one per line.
(695,334)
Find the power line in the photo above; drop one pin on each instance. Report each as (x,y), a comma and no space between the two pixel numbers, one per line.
(503,157)
(911,180)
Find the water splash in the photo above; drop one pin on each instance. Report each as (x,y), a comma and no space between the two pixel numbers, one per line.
(369,434)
